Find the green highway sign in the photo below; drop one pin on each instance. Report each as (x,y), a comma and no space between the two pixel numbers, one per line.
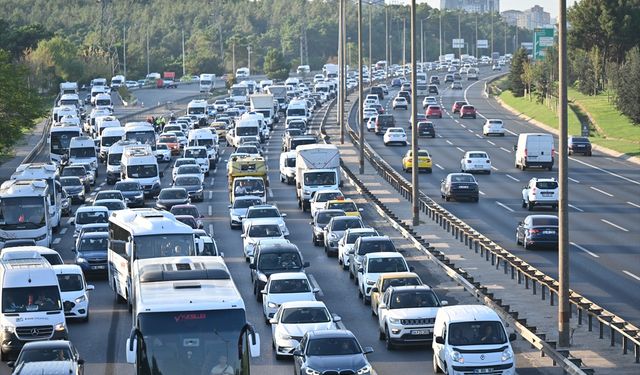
(543,38)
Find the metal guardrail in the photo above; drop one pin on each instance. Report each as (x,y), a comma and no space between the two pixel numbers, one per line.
(42,141)
(532,278)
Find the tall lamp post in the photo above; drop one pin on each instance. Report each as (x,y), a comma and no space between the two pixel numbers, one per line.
(360,93)
(414,123)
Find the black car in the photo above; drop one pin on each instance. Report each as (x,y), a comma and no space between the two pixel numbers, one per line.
(406,95)
(364,246)
(426,129)
(538,230)
(74,188)
(192,185)
(579,145)
(459,186)
(320,220)
(91,252)
(448,78)
(433,90)
(377,90)
(132,191)
(384,122)
(54,357)
(434,80)
(331,352)
(274,258)
(169,197)
(396,82)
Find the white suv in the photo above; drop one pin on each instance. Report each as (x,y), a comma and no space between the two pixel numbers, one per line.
(406,315)
(375,264)
(540,192)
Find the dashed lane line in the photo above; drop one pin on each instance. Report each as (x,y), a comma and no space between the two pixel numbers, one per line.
(491,143)
(494,168)
(631,275)
(479,136)
(439,166)
(461,150)
(633,204)
(56,240)
(315,285)
(614,225)
(63,231)
(513,178)
(573,180)
(601,191)
(505,207)
(449,142)
(505,150)
(576,208)
(210,210)
(585,250)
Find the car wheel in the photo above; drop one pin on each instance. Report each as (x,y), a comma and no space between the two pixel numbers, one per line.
(518,239)
(524,204)
(436,366)
(447,198)
(350,274)
(387,342)
(381,334)
(476,199)
(524,243)
(589,153)
(360,295)
(550,168)
(530,206)
(86,318)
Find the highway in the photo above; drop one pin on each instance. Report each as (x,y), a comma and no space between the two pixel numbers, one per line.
(604,203)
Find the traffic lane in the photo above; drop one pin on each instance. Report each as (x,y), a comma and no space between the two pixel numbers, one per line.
(154,96)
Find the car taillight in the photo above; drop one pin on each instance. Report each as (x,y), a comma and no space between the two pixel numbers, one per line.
(534,231)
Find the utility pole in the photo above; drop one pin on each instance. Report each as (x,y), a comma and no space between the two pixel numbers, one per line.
(476,42)
(386,39)
(148,71)
(404,47)
(414,123)
(421,42)
(233,57)
(249,58)
(491,29)
(440,33)
(360,93)
(184,69)
(301,63)
(124,50)
(564,310)
(369,70)
(459,36)
(340,66)
(505,38)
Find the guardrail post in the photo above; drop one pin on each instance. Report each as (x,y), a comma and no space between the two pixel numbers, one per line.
(513,272)
(624,345)
(519,277)
(550,297)
(476,245)
(636,349)
(506,267)
(601,329)
(493,259)
(613,333)
(543,292)
(534,286)
(590,321)
(526,282)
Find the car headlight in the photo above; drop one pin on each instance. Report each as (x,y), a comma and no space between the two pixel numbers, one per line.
(284,336)
(139,196)
(9,329)
(81,299)
(94,165)
(81,260)
(40,238)
(272,305)
(333,236)
(507,355)
(394,320)
(310,371)
(364,370)
(306,192)
(199,191)
(457,357)
(60,327)
(370,282)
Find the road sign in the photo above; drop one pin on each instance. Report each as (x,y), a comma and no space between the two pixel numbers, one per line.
(543,38)
(458,43)
(482,43)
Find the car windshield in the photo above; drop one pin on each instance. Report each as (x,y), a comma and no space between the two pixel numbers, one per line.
(344,206)
(74,171)
(44,355)
(128,186)
(173,194)
(476,333)
(70,181)
(305,315)
(289,286)
(265,230)
(108,195)
(142,171)
(580,140)
(408,299)
(189,169)
(375,246)
(462,178)
(181,162)
(400,281)
(546,184)
(247,149)
(262,212)
(323,197)
(280,261)
(333,346)
(381,265)
(352,237)
(185,210)
(111,205)
(345,224)
(82,152)
(187,181)
(93,243)
(246,203)
(188,220)
(541,221)
(323,218)
(31,299)
(198,153)
(70,282)
(90,217)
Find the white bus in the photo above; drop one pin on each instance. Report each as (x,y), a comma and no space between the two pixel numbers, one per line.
(197,107)
(189,318)
(143,233)
(138,163)
(60,139)
(49,173)
(142,132)
(24,205)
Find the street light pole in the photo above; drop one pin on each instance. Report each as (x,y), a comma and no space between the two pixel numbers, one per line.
(386,39)
(414,123)
(360,93)
(340,75)
(147,52)
(421,42)
(124,50)
(404,46)
(440,33)
(459,37)
(476,43)
(249,58)
(184,70)
(370,58)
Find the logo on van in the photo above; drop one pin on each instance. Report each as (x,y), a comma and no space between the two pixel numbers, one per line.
(482,357)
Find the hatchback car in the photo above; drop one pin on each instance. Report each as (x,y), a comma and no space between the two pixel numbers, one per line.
(347,205)
(493,127)
(331,352)
(336,228)
(457,105)
(112,205)
(395,136)
(75,188)
(424,161)
(374,265)
(434,111)
(448,78)
(456,85)
(42,357)
(459,186)
(367,245)
(426,129)
(475,161)
(286,287)
(345,245)
(257,230)
(193,186)
(74,291)
(91,252)
(400,102)
(538,230)
(320,220)
(540,192)
(321,197)
(385,281)
(429,100)
(238,210)
(467,111)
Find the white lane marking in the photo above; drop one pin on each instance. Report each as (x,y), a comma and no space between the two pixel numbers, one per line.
(576,208)
(505,150)
(491,143)
(449,142)
(510,132)
(605,171)
(457,122)
(614,225)
(470,131)
(97,189)
(479,136)
(573,180)
(103,183)
(463,125)
(215,170)
(461,150)
(505,206)
(631,275)
(585,250)
(56,240)
(439,136)
(211,229)
(481,192)
(473,84)
(210,195)
(270,193)
(213,179)
(600,191)
(63,231)
(513,178)
(439,166)
(315,285)
(633,204)
(494,168)
(210,211)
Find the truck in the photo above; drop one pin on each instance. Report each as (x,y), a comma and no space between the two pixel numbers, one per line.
(263,103)
(279,93)
(24,205)
(207,82)
(68,88)
(330,70)
(317,168)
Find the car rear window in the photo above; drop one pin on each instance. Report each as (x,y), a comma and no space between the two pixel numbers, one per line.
(580,140)
(540,221)
(478,155)
(546,184)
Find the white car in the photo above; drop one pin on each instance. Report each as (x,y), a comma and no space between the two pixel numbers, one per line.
(371,123)
(199,153)
(73,291)
(285,287)
(109,194)
(345,245)
(321,197)
(180,162)
(400,102)
(375,264)
(406,315)
(540,192)
(429,100)
(369,112)
(163,153)
(89,215)
(369,103)
(395,135)
(265,211)
(220,105)
(112,205)
(294,319)
(475,161)
(189,170)
(493,126)
(259,229)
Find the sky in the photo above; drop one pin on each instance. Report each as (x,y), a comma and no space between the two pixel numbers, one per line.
(550,6)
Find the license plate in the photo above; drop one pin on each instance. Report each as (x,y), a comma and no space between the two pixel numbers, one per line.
(483,371)
(478,166)
(420,332)
(98,267)
(549,232)
(463,187)
(580,145)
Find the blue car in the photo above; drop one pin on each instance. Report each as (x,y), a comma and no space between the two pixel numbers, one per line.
(397,82)
(91,252)
(538,231)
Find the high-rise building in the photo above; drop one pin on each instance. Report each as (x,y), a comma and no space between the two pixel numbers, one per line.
(511,16)
(471,6)
(534,17)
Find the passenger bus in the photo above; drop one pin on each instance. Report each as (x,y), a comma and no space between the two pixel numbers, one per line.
(59,140)
(24,205)
(142,132)
(143,233)
(49,173)
(189,318)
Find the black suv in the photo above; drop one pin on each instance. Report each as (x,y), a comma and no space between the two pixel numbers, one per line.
(383,122)
(434,80)
(274,258)
(378,91)
(426,129)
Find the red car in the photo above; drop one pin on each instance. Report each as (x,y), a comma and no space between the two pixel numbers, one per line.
(457,105)
(434,111)
(468,111)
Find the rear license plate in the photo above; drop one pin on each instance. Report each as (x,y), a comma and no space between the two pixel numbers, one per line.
(478,166)
(420,332)
(549,232)
(463,187)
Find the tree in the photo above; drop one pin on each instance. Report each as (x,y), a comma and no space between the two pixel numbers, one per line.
(628,88)
(274,65)
(19,105)
(54,60)
(527,77)
(515,75)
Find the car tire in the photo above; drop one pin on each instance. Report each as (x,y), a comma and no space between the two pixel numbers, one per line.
(530,206)
(524,243)
(86,318)
(381,335)
(387,340)
(524,204)
(360,295)
(350,275)
(518,242)
(447,198)
(550,168)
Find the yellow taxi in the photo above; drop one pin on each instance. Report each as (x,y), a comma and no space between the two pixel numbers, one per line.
(220,127)
(347,205)
(391,279)
(424,161)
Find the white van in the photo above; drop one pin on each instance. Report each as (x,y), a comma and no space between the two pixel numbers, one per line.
(108,138)
(288,167)
(82,150)
(208,139)
(104,122)
(138,163)
(534,150)
(31,304)
(467,338)
(243,73)
(113,158)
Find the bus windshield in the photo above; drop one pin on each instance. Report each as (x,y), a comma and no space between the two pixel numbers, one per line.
(145,137)
(163,245)
(196,110)
(296,112)
(246,130)
(191,342)
(142,171)
(60,141)
(238,91)
(22,213)
(82,152)
(109,141)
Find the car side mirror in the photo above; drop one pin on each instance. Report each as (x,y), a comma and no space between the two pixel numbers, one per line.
(444,302)
(361,209)
(306,264)
(283,215)
(316,290)
(11,364)
(375,289)
(297,352)
(311,222)
(90,287)
(367,350)
(274,321)
(515,147)
(337,318)
(412,268)
(252,266)
(513,337)
(229,206)
(243,236)
(439,340)
(81,361)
